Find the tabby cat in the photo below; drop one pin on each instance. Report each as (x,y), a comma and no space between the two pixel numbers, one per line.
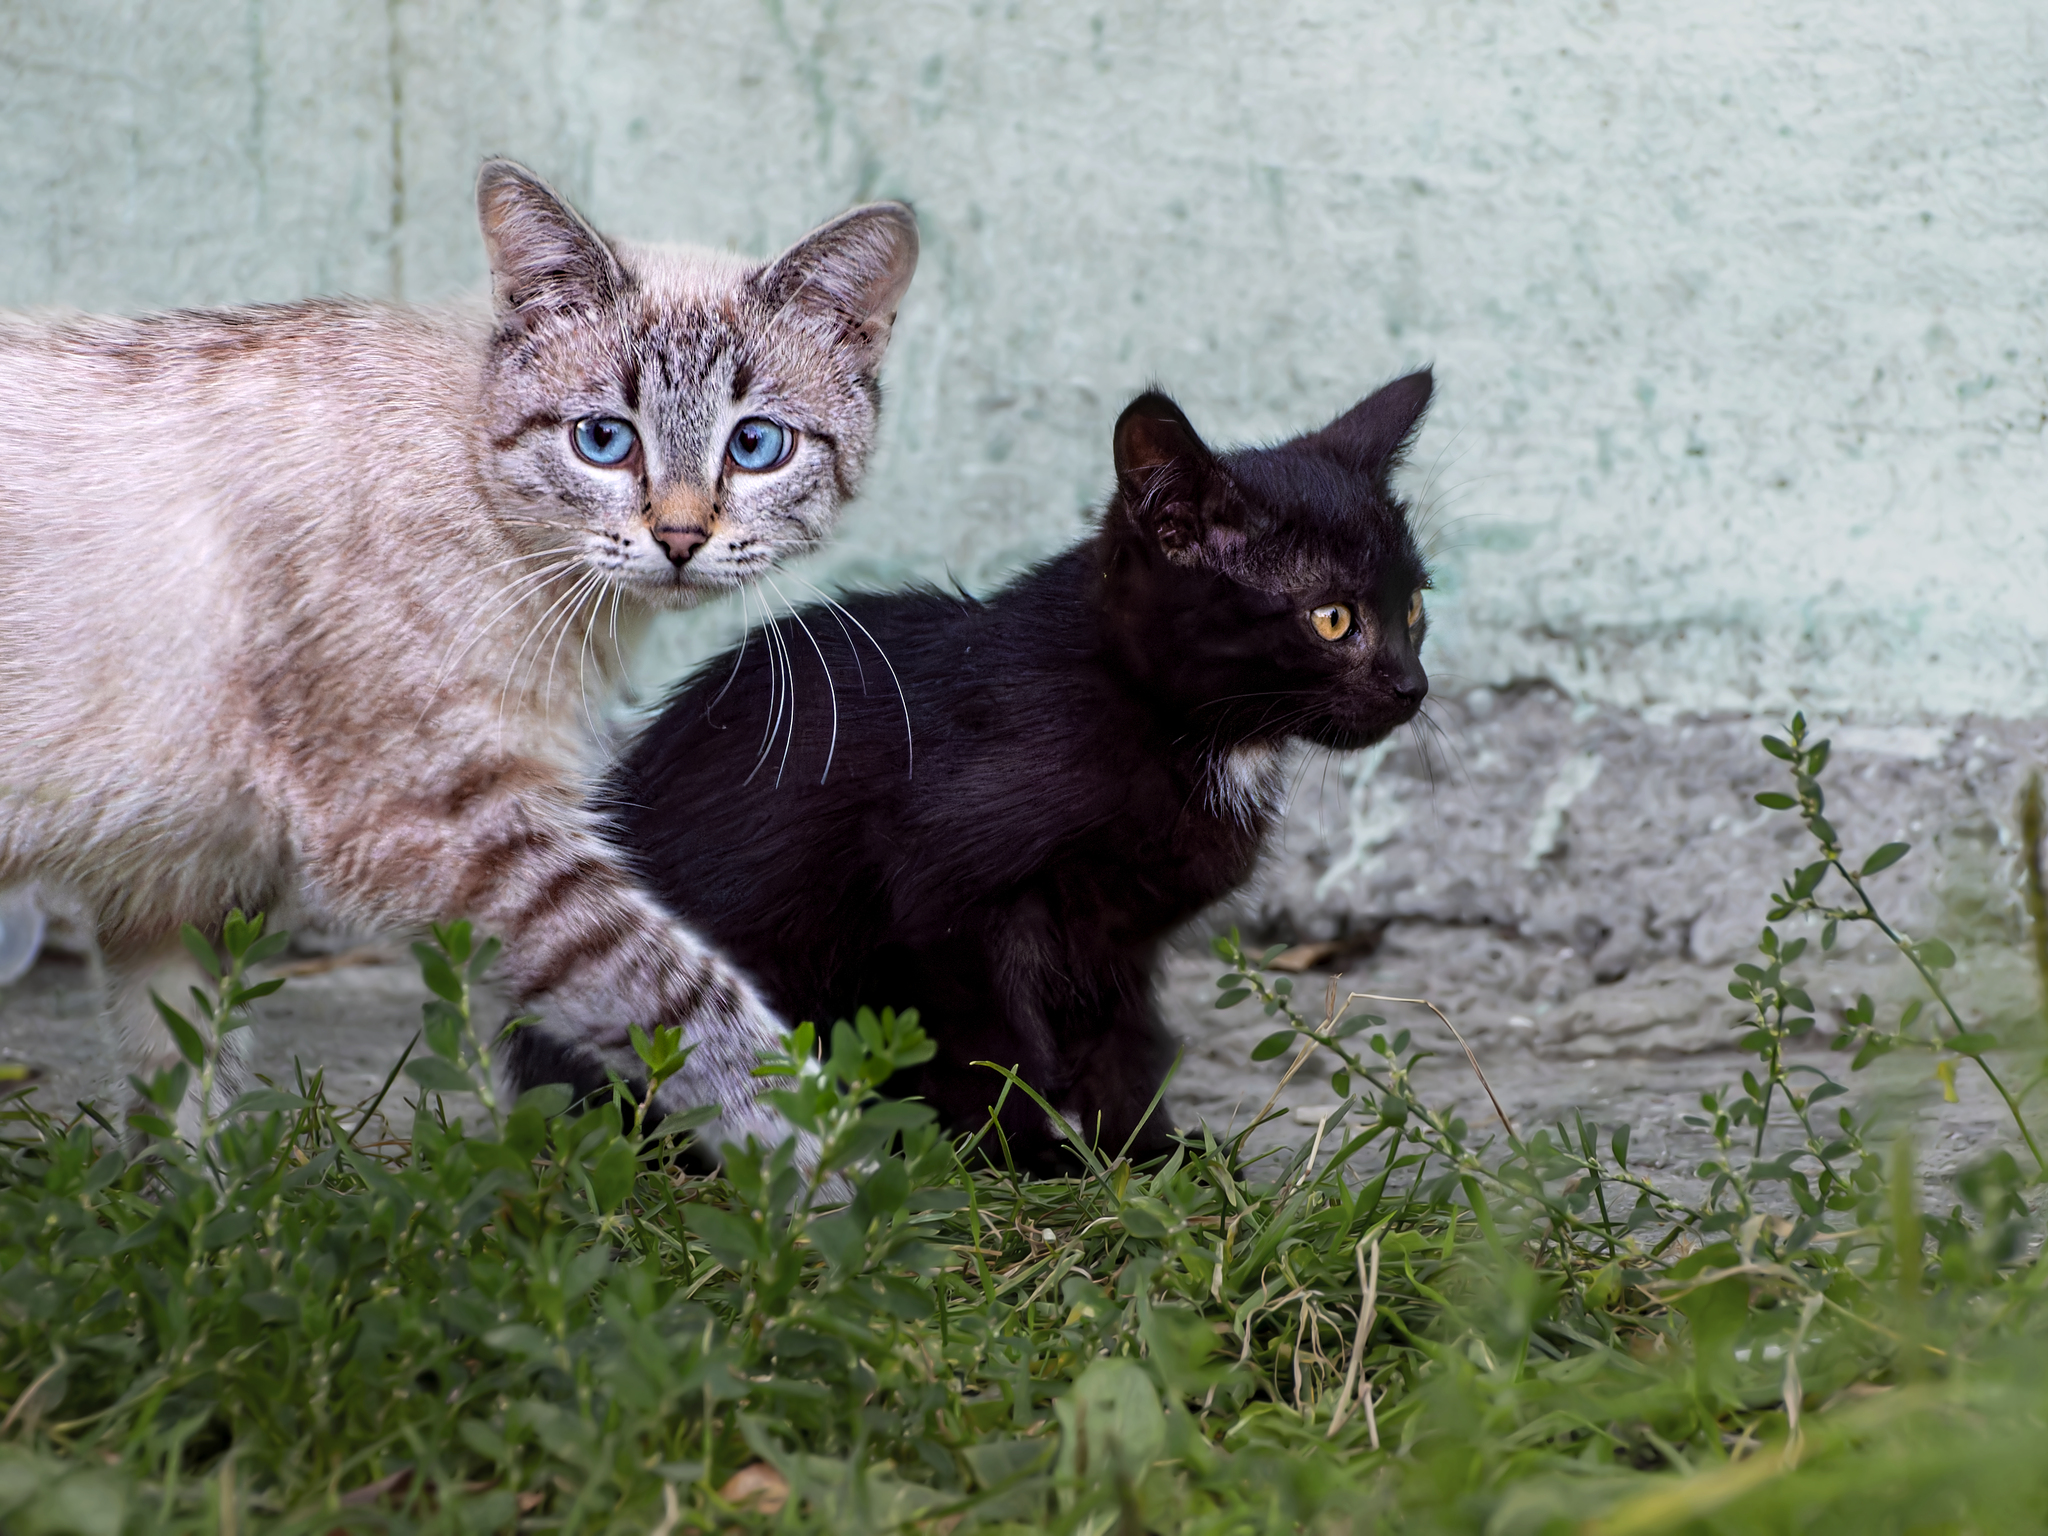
(997,812)
(303,602)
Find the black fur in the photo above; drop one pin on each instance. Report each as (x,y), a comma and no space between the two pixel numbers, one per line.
(1009,859)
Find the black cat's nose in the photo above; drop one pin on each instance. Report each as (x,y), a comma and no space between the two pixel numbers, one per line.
(681,543)
(1411,687)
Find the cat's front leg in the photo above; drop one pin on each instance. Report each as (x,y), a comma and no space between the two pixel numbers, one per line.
(142,1043)
(1117,1075)
(611,958)
(585,950)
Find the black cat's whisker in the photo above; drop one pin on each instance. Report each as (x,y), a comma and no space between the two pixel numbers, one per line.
(831,683)
(1448,742)
(1422,751)
(1269,693)
(909,745)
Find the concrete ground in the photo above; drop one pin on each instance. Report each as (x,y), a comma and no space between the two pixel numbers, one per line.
(1640,1051)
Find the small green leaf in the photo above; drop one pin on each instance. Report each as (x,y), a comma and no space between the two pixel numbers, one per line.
(1273,1045)
(1934,954)
(1972,1043)
(1619,1146)
(1886,857)
(268,947)
(1233,997)
(1776,800)
(1778,748)
(443,1028)
(1146,1217)
(1823,829)
(203,952)
(272,1307)
(191,1045)
(1827,935)
(438,1076)
(437,974)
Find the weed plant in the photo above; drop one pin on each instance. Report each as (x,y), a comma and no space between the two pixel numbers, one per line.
(292,1320)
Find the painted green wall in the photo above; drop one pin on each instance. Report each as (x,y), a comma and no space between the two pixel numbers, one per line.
(1740,312)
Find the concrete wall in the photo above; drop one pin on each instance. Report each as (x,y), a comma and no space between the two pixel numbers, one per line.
(1740,312)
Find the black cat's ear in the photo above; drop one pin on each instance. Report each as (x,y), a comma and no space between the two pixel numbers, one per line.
(850,274)
(1162,471)
(1373,434)
(544,258)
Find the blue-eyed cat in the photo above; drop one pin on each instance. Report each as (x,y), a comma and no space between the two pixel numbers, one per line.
(302,600)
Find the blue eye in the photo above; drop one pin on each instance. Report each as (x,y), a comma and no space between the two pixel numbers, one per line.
(758,443)
(603,440)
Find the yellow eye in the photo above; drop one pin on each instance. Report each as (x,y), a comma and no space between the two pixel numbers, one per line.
(1415,608)
(1332,622)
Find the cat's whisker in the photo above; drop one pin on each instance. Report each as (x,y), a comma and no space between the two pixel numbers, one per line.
(472,577)
(774,680)
(789,674)
(852,650)
(1450,745)
(909,746)
(618,652)
(537,631)
(740,656)
(583,655)
(781,686)
(831,684)
(514,595)
(569,623)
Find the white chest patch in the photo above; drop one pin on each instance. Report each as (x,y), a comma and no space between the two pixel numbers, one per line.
(1245,782)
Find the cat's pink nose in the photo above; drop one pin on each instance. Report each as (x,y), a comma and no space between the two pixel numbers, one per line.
(681,543)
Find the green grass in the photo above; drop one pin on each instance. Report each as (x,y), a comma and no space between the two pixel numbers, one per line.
(536,1322)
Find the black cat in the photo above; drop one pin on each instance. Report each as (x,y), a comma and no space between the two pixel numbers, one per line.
(1074,768)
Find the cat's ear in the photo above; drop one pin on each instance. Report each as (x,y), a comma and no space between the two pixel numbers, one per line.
(1372,436)
(1162,471)
(851,274)
(544,258)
